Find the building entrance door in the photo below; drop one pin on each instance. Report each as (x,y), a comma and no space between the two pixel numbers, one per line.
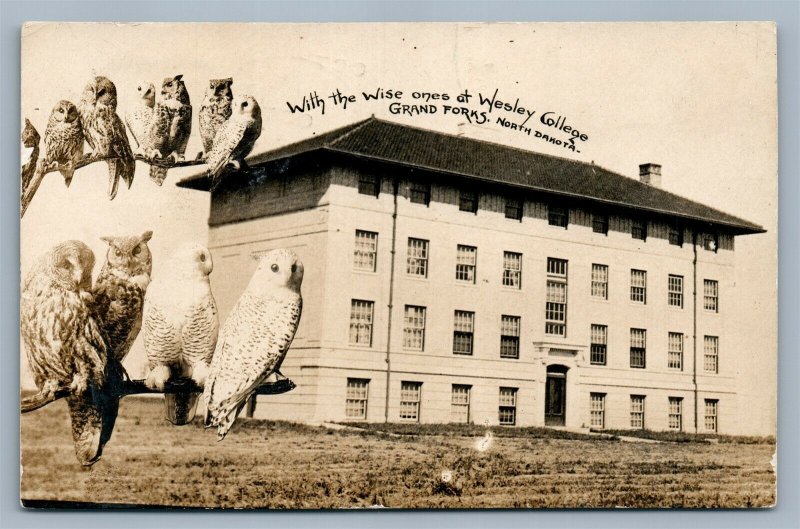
(555,396)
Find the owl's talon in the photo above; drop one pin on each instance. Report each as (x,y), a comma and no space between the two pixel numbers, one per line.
(235,164)
(200,155)
(157,378)
(79,383)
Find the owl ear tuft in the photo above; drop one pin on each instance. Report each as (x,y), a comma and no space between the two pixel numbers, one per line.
(179,77)
(108,239)
(146,236)
(228,81)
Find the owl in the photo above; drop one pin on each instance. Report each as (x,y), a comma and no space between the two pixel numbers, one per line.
(171,125)
(138,120)
(235,138)
(215,110)
(180,326)
(29,154)
(255,337)
(65,344)
(63,141)
(120,288)
(105,133)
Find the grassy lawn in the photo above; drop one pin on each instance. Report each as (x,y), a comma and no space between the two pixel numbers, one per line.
(268,464)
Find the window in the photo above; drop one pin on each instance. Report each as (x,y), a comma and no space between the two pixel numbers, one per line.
(414,328)
(512,270)
(420,193)
(599,343)
(508,406)
(675,235)
(466,259)
(597,410)
(459,404)
(637,411)
(639,286)
(711,354)
(369,185)
(361,322)
(417,260)
(638,347)
(357,394)
(513,208)
(711,415)
(710,295)
(675,414)
(468,201)
(462,332)
(675,291)
(675,351)
(557,216)
(600,223)
(365,256)
(639,229)
(410,393)
(556,304)
(711,242)
(599,281)
(509,336)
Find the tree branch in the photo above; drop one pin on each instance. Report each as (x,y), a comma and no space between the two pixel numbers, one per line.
(276,385)
(88,159)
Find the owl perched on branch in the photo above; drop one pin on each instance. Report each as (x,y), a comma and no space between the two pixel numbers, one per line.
(65,344)
(105,133)
(215,110)
(139,119)
(235,139)
(63,141)
(255,337)
(171,125)
(30,153)
(180,326)
(120,288)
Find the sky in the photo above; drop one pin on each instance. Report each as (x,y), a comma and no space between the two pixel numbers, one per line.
(698,98)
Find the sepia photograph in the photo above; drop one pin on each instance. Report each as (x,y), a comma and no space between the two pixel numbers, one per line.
(399,265)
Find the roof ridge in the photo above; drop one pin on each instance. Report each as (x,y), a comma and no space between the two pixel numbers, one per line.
(355,127)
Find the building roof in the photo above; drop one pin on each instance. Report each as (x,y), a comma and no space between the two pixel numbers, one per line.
(403,145)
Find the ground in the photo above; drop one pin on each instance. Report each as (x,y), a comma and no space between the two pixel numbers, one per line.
(284,465)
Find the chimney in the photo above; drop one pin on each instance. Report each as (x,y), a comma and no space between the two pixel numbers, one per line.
(650,174)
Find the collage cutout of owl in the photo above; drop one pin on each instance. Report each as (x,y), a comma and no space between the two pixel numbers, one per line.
(76,334)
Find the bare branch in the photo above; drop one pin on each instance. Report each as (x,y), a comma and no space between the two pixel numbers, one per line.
(169,163)
(275,386)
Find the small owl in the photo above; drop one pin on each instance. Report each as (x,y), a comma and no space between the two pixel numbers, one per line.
(105,133)
(171,126)
(215,110)
(120,288)
(255,337)
(63,141)
(65,343)
(29,154)
(138,120)
(235,138)
(180,327)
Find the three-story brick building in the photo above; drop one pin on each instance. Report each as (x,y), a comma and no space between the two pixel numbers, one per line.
(454,280)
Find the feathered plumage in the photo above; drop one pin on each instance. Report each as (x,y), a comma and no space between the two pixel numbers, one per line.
(63,140)
(215,110)
(235,138)
(171,125)
(30,153)
(255,337)
(105,132)
(180,327)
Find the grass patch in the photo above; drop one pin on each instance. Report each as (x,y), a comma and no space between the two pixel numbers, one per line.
(684,437)
(475,430)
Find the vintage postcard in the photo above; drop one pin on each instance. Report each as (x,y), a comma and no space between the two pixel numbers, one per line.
(394,265)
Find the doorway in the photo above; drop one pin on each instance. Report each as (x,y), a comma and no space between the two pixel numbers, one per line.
(555,396)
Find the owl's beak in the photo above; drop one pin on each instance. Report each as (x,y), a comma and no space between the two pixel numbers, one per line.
(72,115)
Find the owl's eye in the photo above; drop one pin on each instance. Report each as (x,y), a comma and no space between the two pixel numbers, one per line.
(139,88)
(294,268)
(137,250)
(61,110)
(117,252)
(202,258)
(244,104)
(275,268)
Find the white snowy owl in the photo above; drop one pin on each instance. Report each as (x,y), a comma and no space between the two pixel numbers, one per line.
(255,337)
(180,326)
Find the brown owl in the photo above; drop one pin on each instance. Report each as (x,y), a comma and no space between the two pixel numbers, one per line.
(105,133)
(65,344)
(215,110)
(119,291)
(63,140)
(171,125)
(30,153)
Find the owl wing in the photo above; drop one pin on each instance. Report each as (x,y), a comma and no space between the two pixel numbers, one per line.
(161,336)
(253,344)
(225,143)
(138,123)
(180,128)
(199,336)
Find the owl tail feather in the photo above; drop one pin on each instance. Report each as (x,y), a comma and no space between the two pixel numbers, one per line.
(67,174)
(113,178)
(158,174)
(180,408)
(223,419)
